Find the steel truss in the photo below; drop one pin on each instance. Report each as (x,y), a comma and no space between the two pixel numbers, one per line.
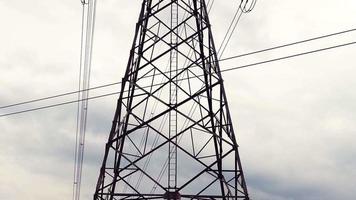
(172,76)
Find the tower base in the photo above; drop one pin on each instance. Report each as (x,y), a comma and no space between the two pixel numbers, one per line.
(172,195)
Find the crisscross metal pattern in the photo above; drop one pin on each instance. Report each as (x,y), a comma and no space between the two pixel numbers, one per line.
(181,121)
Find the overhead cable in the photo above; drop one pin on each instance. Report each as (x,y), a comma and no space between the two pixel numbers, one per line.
(248,5)
(245,6)
(87,37)
(220,60)
(223,70)
(117,83)
(288,44)
(223,59)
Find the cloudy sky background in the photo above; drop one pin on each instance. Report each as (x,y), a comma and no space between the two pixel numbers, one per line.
(295,119)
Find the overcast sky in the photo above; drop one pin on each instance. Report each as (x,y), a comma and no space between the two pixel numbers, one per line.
(295,119)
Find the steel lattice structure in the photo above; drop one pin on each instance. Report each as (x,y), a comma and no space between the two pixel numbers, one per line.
(172,135)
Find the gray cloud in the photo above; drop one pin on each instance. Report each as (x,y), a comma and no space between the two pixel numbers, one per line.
(294,119)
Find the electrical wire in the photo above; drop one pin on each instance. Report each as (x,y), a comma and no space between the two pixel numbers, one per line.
(288,44)
(290,56)
(89,11)
(78,106)
(59,95)
(236,15)
(223,70)
(250,8)
(233,24)
(223,46)
(220,60)
(58,104)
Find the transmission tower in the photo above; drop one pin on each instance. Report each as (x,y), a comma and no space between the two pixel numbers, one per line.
(172,135)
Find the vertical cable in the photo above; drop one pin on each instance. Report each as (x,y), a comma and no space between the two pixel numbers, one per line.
(78,106)
(88,21)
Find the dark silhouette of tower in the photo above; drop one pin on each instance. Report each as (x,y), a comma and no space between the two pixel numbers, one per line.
(172,135)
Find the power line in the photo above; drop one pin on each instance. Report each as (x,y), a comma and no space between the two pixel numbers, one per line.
(290,56)
(229,37)
(233,25)
(228,34)
(221,60)
(59,95)
(224,70)
(289,44)
(250,8)
(78,107)
(58,104)
(87,38)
